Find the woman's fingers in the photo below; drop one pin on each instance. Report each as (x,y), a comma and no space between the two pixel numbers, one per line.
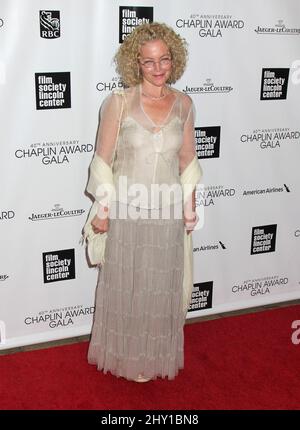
(99,225)
(190,222)
(96,230)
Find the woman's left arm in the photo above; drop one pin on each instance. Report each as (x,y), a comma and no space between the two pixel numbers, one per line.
(186,154)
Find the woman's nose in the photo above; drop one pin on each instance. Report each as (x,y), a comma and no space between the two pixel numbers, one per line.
(157,66)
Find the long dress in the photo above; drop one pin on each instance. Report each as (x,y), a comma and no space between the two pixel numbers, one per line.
(138,321)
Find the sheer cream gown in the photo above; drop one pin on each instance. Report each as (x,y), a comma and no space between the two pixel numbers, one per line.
(138,321)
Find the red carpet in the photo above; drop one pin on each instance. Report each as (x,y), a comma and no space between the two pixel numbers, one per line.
(239,362)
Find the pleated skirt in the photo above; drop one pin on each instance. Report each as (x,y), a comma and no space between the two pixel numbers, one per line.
(138,320)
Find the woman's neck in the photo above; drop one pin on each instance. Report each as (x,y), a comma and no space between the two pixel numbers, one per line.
(153,91)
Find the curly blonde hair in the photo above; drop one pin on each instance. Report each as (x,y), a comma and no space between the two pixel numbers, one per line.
(126,58)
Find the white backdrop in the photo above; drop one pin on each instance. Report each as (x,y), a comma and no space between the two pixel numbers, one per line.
(55,69)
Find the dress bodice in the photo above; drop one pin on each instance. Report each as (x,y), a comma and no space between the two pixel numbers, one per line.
(147,155)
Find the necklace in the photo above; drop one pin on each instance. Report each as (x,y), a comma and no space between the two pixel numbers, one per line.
(154,98)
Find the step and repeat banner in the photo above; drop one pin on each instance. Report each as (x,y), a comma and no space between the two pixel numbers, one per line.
(243,75)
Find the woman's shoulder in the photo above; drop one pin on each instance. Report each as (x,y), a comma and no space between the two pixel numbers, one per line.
(182,95)
(113,100)
(185,98)
(124,91)
(122,94)
(118,91)
(117,94)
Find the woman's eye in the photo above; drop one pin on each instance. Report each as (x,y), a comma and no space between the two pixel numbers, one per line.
(149,63)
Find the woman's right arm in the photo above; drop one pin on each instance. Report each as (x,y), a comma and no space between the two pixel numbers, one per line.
(107,135)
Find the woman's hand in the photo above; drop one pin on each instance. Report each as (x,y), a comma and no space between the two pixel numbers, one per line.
(100,225)
(100,222)
(190,221)
(189,213)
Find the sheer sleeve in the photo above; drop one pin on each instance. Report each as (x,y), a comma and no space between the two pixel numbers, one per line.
(188,148)
(108,128)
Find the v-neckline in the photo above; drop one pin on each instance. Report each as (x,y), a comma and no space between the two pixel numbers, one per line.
(159,126)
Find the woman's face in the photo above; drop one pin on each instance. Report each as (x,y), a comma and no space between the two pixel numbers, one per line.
(154,62)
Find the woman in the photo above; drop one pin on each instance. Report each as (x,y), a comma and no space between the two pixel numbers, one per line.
(148,131)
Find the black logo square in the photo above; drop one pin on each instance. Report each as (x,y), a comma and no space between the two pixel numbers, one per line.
(201,296)
(49,24)
(274,84)
(58,265)
(132,16)
(208,141)
(263,239)
(53,90)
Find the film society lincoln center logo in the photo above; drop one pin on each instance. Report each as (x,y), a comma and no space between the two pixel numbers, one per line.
(132,16)
(263,239)
(58,265)
(208,141)
(274,84)
(53,90)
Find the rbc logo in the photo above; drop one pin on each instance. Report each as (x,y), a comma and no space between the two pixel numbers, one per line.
(50,24)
